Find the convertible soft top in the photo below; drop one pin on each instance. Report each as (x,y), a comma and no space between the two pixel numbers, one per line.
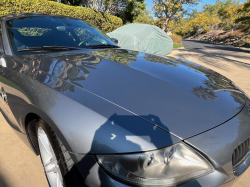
(143,37)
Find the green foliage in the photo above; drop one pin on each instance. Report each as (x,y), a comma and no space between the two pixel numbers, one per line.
(212,10)
(228,15)
(167,10)
(133,9)
(193,14)
(128,10)
(105,22)
(222,14)
(144,18)
(244,41)
(245,14)
(202,23)
(225,26)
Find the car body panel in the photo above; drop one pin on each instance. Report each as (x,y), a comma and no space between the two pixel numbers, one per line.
(80,116)
(144,84)
(219,143)
(74,75)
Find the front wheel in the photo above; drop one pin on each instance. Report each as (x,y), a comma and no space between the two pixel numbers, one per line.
(57,162)
(49,159)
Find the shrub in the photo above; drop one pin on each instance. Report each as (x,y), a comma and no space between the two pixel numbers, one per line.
(244,42)
(176,38)
(225,26)
(105,22)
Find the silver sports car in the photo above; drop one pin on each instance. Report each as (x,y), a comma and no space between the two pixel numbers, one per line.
(99,115)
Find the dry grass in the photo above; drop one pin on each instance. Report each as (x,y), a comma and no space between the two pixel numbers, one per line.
(228,34)
(176,38)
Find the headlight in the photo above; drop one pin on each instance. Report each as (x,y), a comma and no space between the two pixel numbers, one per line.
(167,166)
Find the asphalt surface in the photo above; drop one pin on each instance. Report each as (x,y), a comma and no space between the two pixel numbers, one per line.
(193,44)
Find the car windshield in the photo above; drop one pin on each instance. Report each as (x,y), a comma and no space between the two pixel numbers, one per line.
(50,33)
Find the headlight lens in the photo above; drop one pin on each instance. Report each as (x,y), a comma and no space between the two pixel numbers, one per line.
(167,166)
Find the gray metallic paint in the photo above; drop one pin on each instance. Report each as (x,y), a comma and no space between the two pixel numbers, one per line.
(219,143)
(142,87)
(101,118)
(119,101)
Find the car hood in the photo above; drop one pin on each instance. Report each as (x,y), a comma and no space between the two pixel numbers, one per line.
(187,98)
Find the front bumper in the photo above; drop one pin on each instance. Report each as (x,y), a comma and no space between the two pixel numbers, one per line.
(217,144)
(96,177)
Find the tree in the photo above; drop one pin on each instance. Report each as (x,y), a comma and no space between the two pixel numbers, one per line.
(229,15)
(132,10)
(193,14)
(244,14)
(211,10)
(202,23)
(145,18)
(128,10)
(167,10)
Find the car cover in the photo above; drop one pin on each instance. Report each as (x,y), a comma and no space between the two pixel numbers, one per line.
(143,37)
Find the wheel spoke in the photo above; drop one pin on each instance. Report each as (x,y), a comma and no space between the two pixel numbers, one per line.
(48,163)
(49,160)
(58,180)
(52,170)
(45,145)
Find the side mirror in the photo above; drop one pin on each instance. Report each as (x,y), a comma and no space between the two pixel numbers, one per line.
(114,40)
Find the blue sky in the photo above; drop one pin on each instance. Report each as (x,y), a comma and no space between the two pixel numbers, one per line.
(149,3)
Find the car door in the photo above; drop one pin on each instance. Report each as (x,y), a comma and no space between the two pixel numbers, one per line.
(9,92)
(2,64)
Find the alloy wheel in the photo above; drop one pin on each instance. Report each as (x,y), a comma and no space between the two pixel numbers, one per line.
(49,160)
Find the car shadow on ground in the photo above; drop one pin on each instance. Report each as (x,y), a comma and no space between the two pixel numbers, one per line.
(3,182)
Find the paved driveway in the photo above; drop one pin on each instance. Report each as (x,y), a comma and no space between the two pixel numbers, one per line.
(19,167)
(231,62)
(193,44)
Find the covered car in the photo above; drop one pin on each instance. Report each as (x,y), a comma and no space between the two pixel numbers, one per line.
(143,37)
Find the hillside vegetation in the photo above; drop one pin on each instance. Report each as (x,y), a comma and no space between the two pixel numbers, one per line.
(223,22)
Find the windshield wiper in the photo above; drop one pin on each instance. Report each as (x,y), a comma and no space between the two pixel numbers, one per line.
(48,48)
(102,46)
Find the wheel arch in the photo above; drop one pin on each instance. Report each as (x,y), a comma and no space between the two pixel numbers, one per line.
(29,125)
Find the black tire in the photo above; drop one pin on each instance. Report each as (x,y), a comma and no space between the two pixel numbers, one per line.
(70,174)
